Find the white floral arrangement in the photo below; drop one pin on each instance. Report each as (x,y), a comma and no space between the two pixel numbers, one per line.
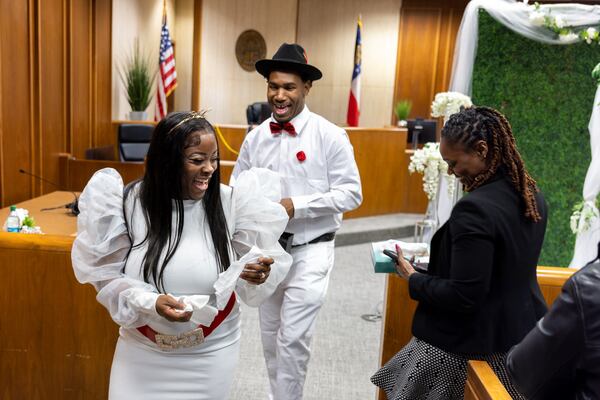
(542,16)
(429,162)
(447,103)
(584,213)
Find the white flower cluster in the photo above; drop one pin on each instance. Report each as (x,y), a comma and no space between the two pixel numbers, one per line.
(542,16)
(429,162)
(537,18)
(568,37)
(590,35)
(583,215)
(447,103)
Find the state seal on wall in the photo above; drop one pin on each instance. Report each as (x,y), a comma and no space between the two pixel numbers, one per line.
(249,48)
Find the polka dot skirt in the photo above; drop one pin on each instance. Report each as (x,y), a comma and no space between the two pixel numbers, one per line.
(421,371)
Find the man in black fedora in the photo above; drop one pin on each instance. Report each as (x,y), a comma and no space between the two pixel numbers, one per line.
(319,182)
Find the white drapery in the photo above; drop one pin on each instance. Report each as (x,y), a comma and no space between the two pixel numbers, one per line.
(515,16)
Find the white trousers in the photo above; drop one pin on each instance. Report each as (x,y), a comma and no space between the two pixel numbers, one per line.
(287,319)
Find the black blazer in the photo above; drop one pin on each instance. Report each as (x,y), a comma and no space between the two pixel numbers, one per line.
(480,295)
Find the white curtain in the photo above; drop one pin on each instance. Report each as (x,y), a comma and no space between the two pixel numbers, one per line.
(515,16)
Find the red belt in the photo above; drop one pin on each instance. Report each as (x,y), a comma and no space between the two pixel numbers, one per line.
(206,330)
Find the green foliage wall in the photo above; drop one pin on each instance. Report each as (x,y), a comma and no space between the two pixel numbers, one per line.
(547,94)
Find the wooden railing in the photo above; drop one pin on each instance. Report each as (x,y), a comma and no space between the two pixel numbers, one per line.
(483,384)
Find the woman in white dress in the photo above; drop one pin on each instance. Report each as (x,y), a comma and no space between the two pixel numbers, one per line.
(167,255)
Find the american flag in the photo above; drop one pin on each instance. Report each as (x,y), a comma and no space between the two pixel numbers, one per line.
(167,81)
(354,100)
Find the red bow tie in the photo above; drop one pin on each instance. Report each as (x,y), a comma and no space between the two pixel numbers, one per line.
(277,127)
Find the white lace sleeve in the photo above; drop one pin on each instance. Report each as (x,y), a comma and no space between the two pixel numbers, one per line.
(100,249)
(259,221)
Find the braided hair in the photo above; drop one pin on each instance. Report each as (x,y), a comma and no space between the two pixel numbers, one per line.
(471,125)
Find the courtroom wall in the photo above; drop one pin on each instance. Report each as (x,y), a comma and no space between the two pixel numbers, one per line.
(328,28)
(224,86)
(407,51)
(184,32)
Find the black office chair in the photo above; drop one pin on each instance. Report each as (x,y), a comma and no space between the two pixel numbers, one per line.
(257,112)
(100,153)
(134,140)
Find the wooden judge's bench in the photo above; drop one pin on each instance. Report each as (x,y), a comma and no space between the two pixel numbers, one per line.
(56,341)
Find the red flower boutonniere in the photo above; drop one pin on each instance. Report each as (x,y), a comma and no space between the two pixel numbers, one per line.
(301,156)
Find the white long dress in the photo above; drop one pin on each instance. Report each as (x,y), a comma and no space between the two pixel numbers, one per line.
(141,370)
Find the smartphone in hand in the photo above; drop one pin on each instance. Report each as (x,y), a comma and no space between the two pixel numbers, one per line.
(391,254)
(394,256)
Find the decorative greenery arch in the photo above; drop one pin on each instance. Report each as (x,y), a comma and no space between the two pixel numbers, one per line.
(546,92)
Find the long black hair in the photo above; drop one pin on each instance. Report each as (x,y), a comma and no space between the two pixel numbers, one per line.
(161,195)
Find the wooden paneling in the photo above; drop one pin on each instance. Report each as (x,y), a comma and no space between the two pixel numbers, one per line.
(196,55)
(81,89)
(234,137)
(1,127)
(400,308)
(426,39)
(51,133)
(17,107)
(55,89)
(58,341)
(381,159)
(75,173)
(101,74)
(415,199)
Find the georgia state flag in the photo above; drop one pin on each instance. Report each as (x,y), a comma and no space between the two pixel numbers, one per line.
(354,100)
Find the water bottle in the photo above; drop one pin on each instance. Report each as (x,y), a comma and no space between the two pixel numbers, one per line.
(13,224)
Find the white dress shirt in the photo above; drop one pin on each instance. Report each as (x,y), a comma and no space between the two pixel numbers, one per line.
(322,187)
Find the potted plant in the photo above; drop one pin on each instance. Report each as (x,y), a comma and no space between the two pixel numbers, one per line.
(402,109)
(138,80)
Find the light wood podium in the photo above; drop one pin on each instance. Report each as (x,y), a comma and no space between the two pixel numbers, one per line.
(56,340)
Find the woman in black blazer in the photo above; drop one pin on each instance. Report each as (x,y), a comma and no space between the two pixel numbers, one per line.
(480,295)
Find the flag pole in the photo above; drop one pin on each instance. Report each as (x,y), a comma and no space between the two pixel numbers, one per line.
(353,114)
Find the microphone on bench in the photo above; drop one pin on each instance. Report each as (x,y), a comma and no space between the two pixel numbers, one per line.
(72,206)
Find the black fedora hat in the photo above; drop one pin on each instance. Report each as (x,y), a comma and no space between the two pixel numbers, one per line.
(289,57)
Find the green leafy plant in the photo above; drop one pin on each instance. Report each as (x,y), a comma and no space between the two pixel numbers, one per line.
(596,74)
(402,109)
(29,221)
(138,79)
